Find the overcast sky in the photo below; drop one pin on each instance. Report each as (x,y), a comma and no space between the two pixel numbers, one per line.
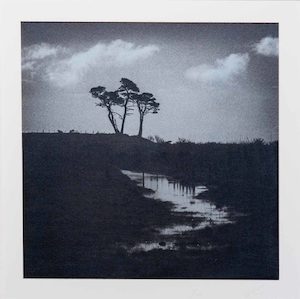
(215,82)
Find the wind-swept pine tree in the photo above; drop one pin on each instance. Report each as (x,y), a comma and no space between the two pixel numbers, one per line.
(107,99)
(127,92)
(146,103)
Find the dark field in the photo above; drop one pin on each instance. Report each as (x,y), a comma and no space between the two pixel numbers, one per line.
(80,211)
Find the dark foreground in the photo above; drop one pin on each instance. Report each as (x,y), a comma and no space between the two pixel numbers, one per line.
(79,207)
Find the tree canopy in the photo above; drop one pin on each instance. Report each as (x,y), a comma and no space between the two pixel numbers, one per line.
(146,103)
(127,96)
(127,91)
(108,99)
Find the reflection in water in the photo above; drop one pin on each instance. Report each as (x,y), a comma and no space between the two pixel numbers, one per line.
(167,189)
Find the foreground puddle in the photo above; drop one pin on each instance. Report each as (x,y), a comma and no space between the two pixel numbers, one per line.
(203,212)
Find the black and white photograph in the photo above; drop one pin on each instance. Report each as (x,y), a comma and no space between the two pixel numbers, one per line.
(150,150)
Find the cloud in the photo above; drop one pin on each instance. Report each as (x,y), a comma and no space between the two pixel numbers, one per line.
(267,46)
(28,65)
(223,70)
(38,57)
(66,67)
(40,51)
(118,53)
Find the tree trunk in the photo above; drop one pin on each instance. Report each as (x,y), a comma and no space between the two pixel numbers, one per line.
(112,120)
(124,116)
(141,126)
(125,113)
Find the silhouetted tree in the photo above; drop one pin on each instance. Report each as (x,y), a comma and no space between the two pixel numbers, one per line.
(127,91)
(107,99)
(146,103)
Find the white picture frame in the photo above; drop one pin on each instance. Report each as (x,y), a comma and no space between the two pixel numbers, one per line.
(286,13)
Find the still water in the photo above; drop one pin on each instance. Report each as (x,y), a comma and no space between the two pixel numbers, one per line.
(204,212)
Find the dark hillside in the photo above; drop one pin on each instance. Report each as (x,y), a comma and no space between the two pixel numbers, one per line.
(78,206)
